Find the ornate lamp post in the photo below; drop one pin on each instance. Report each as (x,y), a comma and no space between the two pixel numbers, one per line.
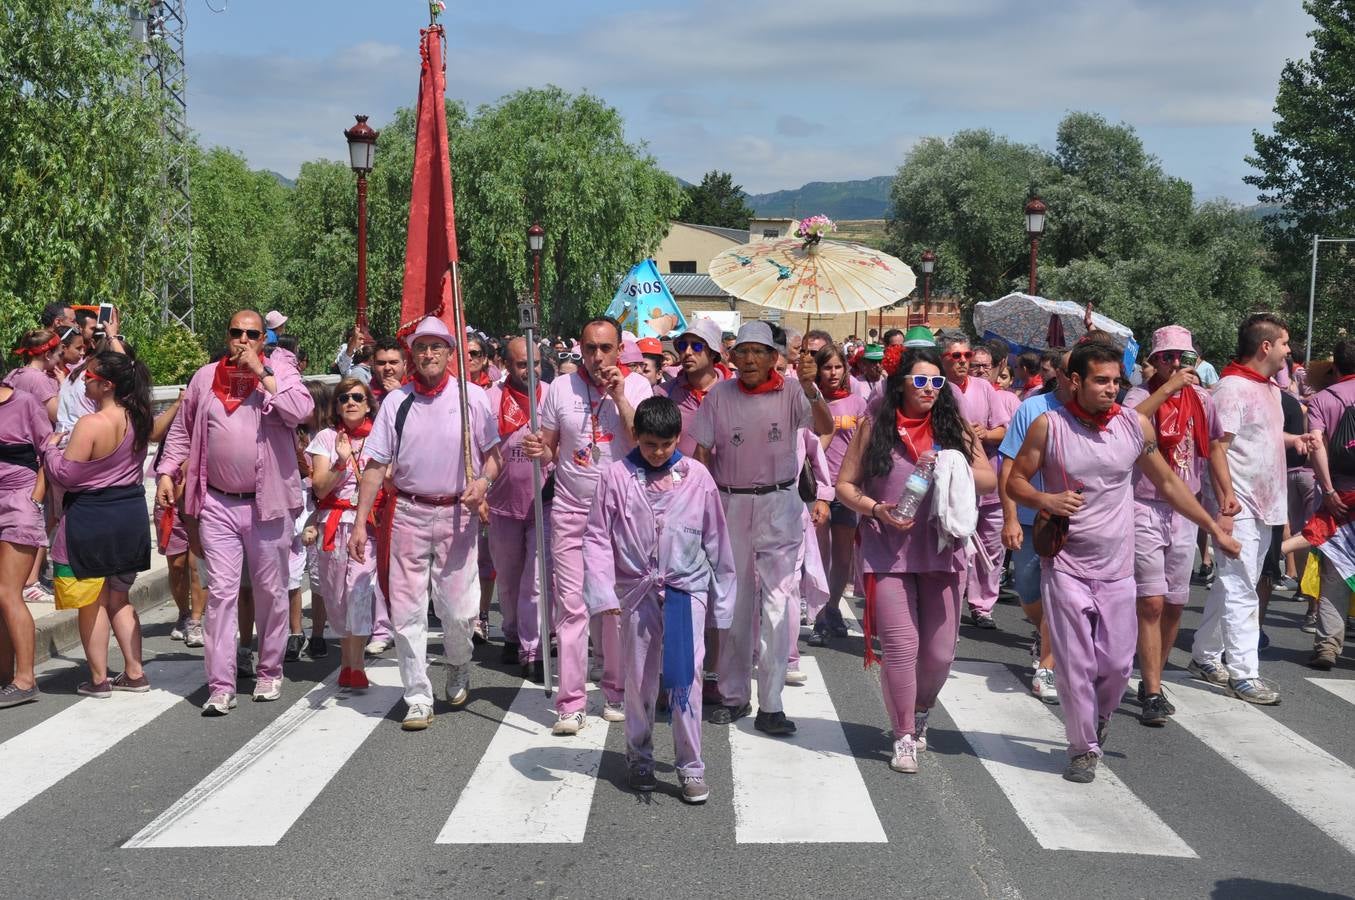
(361,153)
(1035,216)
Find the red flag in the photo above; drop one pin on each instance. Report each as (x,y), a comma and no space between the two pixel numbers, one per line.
(430,245)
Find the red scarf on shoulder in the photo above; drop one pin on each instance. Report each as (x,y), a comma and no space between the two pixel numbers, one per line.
(1098,421)
(1235,368)
(773,383)
(513,410)
(232,384)
(1178,416)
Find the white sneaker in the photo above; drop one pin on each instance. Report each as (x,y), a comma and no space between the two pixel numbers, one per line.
(796,678)
(905,756)
(376,646)
(267,690)
(1044,686)
(180,629)
(613,712)
(193,636)
(418,718)
(569,723)
(219,704)
(458,685)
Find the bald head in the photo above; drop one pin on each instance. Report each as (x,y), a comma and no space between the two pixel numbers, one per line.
(517,364)
(245,331)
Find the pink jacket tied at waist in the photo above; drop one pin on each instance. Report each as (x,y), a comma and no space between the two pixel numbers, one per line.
(277,484)
(627,559)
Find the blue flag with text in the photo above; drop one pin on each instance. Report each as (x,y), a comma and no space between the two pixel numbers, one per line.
(644,306)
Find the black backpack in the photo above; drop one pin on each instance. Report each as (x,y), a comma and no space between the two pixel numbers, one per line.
(1341,445)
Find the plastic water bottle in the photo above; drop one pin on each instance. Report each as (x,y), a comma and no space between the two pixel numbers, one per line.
(915,489)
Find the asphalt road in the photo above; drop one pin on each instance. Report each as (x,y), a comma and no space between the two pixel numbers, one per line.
(362,812)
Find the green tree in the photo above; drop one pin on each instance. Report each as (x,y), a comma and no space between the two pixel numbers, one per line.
(79,163)
(717,201)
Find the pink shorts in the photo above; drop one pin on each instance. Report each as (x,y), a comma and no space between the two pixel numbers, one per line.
(21,522)
(1164,551)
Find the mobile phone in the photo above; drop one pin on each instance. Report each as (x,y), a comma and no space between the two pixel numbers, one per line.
(1189,358)
(105,313)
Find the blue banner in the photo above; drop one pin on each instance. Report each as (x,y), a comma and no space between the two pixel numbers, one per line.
(644,306)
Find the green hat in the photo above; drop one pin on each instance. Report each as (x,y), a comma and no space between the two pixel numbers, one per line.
(874,353)
(919,336)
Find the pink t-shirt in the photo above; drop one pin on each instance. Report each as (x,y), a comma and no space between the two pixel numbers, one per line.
(323,444)
(1186,462)
(34,381)
(1325,409)
(752,437)
(869,391)
(1251,412)
(429,459)
(979,404)
(884,549)
(1101,534)
(514,489)
(680,392)
(232,444)
(584,417)
(847,414)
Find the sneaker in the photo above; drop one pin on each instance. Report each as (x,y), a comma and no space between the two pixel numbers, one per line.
(1287,583)
(1323,659)
(244,663)
(534,671)
(920,729)
(1254,690)
(480,631)
(725,715)
(981,619)
(38,593)
(1309,625)
(1081,768)
(177,632)
(818,637)
(219,704)
(131,685)
(1210,672)
(266,690)
(1045,686)
(509,655)
(376,646)
(694,791)
(457,687)
(569,723)
(192,634)
(642,779)
(837,625)
(1167,706)
(1205,576)
(905,756)
(774,723)
(103,690)
(1153,712)
(13,695)
(613,712)
(419,717)
(317,647)
(795,678)
(294,644)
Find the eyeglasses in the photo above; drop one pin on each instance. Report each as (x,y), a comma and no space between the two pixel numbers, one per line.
(980,367)
(935,382)
(682,346)
(437,347)
(565,354)
(958,355)
(354,397)
(751,350)
(252,333)
(475,354)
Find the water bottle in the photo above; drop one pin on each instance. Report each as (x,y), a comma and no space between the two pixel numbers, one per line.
(919,482)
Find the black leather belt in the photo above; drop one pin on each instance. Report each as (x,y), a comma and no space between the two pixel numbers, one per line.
(760,489)
(234,495)
(447,500)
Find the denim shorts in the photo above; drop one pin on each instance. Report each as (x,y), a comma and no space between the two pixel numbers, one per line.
(840,514)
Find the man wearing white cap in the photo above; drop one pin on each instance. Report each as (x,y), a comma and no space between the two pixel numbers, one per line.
(698,349)
(416,439)
(275,321)
(746,432)
(1164,539)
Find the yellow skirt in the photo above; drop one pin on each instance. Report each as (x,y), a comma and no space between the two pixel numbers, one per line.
(72,592)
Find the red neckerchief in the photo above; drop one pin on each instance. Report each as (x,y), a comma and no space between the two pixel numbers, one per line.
(232,384)
(481,378)
(725,371)
(1033,383)
(961,384)
(721,374)
(364,428)
(773,383)
(1343,379)
(1100,422)
(1234,368)
(916,434)
(513,411)
(837,393)
(423,391)
(1178,416)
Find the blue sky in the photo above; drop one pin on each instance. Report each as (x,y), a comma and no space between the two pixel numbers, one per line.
(778,93)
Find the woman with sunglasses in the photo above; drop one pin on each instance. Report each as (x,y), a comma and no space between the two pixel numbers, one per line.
(40,349)
(103,538)
(567,361)
(337,459)
(913,592)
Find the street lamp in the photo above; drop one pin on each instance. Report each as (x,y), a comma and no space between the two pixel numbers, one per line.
(1035,216)
(361,152)
(529,316)
(928,266)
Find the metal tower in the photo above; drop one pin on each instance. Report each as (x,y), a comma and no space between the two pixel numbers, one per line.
(159,26)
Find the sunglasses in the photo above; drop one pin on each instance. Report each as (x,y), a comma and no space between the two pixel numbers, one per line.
(252,333)
(565,354)
(354,397)
(475,354)
(960,354)
(682,346)
(935,382)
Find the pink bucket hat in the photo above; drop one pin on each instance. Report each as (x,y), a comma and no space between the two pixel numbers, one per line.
(431,326)
(1171,337)
(630,350)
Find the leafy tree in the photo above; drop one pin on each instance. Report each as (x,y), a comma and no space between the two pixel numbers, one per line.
(717,201)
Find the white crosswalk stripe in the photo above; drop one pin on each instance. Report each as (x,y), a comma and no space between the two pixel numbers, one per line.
(1341,687)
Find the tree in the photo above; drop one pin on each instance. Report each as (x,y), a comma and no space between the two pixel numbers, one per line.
(717,201)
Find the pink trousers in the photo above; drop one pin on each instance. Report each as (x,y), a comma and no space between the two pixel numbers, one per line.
(234,536)
(512,545)
(571,618)
(917,616)
(985,568)
(642,658)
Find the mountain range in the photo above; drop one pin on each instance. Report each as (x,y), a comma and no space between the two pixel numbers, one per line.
(868,199)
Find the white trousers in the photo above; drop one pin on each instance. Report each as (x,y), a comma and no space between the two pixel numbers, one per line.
(1232,620)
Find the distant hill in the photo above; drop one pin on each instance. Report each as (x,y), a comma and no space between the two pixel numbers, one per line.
(867,199)
(282,179)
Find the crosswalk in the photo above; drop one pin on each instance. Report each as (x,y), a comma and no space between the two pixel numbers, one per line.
(529,787)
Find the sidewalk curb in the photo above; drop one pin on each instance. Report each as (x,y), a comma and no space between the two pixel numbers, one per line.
(60,631)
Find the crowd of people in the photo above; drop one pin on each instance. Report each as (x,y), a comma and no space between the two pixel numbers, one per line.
(704,498)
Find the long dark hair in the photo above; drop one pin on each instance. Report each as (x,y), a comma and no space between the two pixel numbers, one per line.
(948,428)
(131,382)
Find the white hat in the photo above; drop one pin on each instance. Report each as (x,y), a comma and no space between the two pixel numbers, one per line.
(274,320)
(755,333)
(431,326)
(708,331)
